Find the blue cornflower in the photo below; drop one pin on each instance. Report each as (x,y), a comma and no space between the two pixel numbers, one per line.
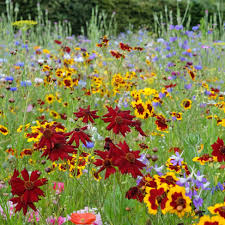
(13,88)
(25,83)
(89,145)
(9,78)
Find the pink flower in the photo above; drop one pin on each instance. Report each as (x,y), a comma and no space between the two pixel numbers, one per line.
(58,187)
(56,221)
(33,216)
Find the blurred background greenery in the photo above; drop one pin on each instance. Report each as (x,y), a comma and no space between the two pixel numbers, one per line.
(127,14)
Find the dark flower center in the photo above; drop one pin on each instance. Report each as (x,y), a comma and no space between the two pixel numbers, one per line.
(170,180)
(186,104)
(119,120)
(48,133)
(222,149)
(107,162)
(180,204)
(29,185)
(140,108)
(77,129)
(57,145)
(222,209)
(130,157)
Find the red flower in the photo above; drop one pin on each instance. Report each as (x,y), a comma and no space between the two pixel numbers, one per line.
(135,193)
(117,54)
(27,189)
(128,161)
(21,204)
(87,115)
(79,135)
(161,123)
(58,42)
(50,138)
(219,150)
(67,49)
(125,47)
(119,120)
(107,162)
(137,125)
(60,150)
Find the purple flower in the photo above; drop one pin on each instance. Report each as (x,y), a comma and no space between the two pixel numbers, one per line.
(13,88)
(198,67)
(195,28)
(179,27)
(188,86)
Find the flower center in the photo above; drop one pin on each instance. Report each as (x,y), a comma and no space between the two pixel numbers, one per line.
(107,162)
(222,149)
(119,120)
(170,180)
(180,204)
(48,133)
(130,157)
(77,129)
(29,185)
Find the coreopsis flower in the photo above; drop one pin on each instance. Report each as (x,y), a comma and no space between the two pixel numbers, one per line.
(137,125)
(166,181)
(177,202)
(135,193)
(219,150)
(86,114)
(60,150)
(50,137)
(125,47)
(218,209)
(204,158)
(3,130)
(161,123)
(119,120)
(116,54)
(108,161)
(215,220)
(26,189)
(78,135)
(186,104)
(128,161)
(154,198)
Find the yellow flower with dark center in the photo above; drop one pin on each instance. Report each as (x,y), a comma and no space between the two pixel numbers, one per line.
(3,130)
(178,203)
(54,114)
(207,220)
(186,104)
(166,181)
(149,107)
(46,68)
(50,98)
(140,109)
(218,209)
(178,116)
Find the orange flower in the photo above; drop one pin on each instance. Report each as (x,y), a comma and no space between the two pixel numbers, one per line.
(83,218)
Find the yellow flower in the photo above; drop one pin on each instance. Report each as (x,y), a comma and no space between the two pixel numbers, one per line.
(186,104)
(50,98)
(54,114)
(178,203)
(3,130)
(218,209)
(211,220)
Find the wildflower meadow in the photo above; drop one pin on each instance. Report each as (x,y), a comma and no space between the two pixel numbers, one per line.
(112,129)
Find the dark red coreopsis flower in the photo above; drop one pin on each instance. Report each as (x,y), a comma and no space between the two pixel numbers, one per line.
(119,120)
(128,162)
(125,47)
(135,193)
(26,189)
(87,115)
(161,123)
(137,125)
(116,54)
(60,150)
(50,137)
(219,150)
(78,135)
(58,42)
(107,162)
(66,49)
